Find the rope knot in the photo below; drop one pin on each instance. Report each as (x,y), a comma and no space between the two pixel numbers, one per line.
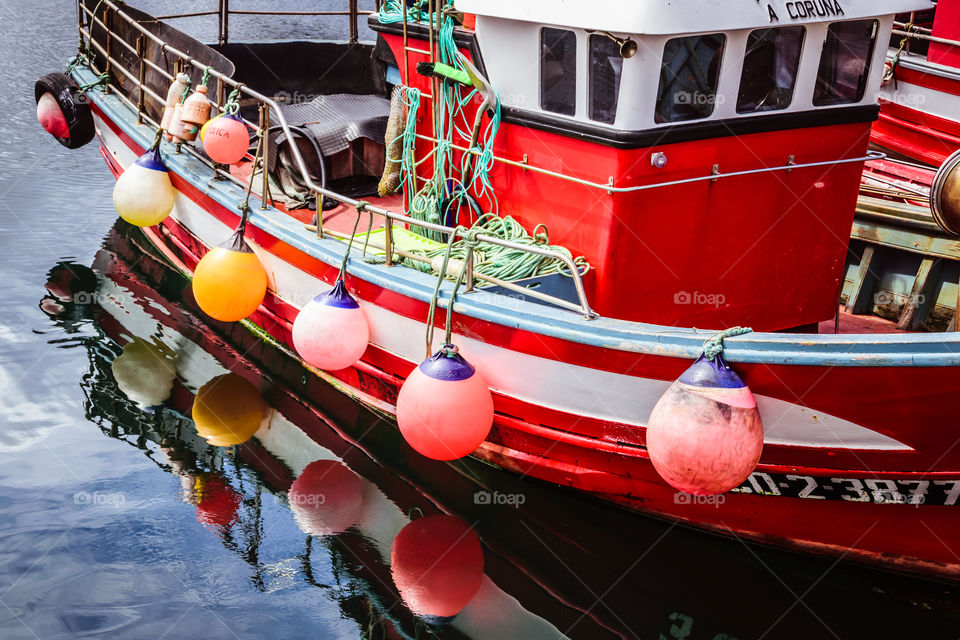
(361,206)
(470,236)
(449,349)
(714,346)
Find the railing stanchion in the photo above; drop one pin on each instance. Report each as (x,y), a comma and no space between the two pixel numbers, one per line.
(225,22)
(388,240)
(319,199)
(468,277)
(354,31)
(141,53)
(108,25)
(265,158)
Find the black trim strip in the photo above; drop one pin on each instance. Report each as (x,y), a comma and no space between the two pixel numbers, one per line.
(416,31)
(690,131)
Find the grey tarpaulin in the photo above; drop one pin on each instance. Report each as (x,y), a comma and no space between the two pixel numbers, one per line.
(337,120)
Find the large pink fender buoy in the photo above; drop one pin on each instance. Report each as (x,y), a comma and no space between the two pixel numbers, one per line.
(327,498)
(331,332)
(227,139)
(705,435)
(445,409)
(437,565)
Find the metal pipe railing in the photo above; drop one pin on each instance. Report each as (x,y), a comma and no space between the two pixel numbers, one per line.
(920,33)
(402,218)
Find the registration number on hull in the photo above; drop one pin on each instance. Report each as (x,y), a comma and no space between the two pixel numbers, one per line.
(876,490)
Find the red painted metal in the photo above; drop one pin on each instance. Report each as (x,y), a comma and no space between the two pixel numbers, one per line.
(946,25)
(735,224)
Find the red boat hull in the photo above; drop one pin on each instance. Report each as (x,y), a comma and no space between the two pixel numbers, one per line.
(863,493)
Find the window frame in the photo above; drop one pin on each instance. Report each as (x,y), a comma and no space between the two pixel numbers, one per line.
(867,68)
(592,77)
(575,71)
(796,70)
(720,54)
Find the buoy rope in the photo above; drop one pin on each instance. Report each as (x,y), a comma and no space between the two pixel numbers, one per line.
(471,243)
(361,206)
(891,73)
(714,346)
(232,106)
(206,76)
(186,91)
(102,80)
(157,137)
(244,206)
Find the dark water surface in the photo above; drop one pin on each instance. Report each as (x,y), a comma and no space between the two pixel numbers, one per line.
(118,520)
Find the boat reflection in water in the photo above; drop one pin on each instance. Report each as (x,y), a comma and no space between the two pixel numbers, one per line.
(403,533)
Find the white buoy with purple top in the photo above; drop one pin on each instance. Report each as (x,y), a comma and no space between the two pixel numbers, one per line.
(705,435)
(331,332)
(143,194)
(445,409)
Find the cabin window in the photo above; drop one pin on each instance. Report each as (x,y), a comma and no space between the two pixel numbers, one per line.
(558,71)
(606,63)
(770,69)
(845,62)
(689,75)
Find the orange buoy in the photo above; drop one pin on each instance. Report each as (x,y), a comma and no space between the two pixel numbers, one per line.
(228,410)
(437,565)
(327,498)
(229,282)
(445,409)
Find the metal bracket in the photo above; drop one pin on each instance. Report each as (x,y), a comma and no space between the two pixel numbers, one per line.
(715,172)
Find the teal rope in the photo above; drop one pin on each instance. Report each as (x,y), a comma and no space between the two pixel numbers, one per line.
(503,262)
(231,106)
(714,346)
(471,243)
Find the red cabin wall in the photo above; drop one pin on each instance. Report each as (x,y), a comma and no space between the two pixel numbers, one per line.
(765,250)
(946,24)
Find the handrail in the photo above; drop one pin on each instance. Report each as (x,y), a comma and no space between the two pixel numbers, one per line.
(920,33)
(281,121)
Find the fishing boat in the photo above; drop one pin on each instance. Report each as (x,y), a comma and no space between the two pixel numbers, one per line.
(532,594)
(593,199)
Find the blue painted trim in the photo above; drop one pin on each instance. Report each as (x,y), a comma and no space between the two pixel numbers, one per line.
(713,374)
(152,160)
(451,368)
(850,350)
(337,297)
